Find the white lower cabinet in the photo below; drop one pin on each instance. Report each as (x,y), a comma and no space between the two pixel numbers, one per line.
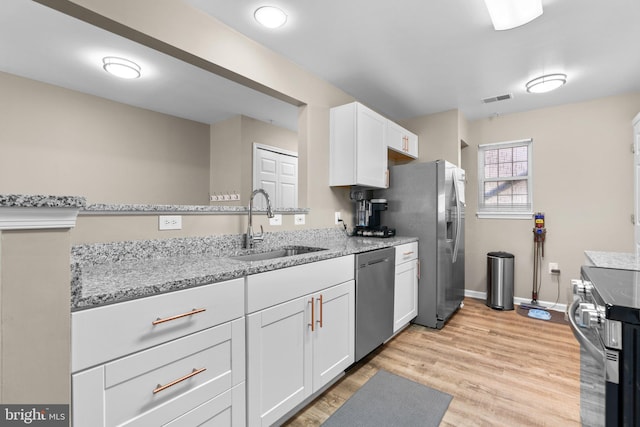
(196,379)
(296,347)
(405,303)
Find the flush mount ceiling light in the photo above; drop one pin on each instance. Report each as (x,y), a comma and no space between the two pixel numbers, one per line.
(508,14)
(546,83)
(270,16)
(121,67)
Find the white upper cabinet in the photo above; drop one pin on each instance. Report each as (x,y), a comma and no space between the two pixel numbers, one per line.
(401,140)
(358,153)
(360,144)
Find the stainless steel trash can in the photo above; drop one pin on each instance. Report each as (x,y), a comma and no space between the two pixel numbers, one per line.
(500,280)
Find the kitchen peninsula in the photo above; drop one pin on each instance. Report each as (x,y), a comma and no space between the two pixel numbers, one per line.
(122,275)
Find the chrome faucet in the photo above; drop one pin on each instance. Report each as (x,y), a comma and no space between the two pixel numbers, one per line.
(250,238)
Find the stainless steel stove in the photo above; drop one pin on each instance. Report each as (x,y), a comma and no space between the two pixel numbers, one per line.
(605,318)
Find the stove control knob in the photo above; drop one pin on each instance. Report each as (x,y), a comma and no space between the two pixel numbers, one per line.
(576,285)
(581,288)
(588,314)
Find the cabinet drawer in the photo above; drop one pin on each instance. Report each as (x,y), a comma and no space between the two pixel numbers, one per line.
(274,287)
(102,334)
(126,386)
(406,252)
(226,410)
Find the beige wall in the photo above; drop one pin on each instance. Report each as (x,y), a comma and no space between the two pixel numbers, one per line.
(583,182)
(201,39)
(438,136)
(232,153)
(57,141)
(35,329)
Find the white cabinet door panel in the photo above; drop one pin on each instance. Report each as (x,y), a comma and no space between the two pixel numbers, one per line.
(333,338)
(357,150)
(405,303)
(371,166)
(278,372)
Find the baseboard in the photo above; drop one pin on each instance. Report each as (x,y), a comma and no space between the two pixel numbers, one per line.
(516,300)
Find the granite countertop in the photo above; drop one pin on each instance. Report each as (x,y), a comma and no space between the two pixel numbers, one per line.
(618,260)
(111,273)
(41,201)
(142,209)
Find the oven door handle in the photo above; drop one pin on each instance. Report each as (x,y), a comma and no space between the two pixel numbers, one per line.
(580,336)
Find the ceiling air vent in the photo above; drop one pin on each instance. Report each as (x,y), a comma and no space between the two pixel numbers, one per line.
(497,98)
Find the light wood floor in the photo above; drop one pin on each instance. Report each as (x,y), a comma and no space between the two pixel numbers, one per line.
(502,369)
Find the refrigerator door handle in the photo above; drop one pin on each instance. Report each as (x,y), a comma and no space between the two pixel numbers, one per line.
(458,219)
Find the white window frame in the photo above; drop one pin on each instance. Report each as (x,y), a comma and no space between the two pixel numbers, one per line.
(494,212)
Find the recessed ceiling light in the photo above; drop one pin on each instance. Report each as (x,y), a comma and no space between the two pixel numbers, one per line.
(121,67)
(270,16)
(508,14)
(546,83)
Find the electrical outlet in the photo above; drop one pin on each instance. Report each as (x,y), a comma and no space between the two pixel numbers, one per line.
(337,218)
(298,219)
(276,220)
(553,266)
(170,222)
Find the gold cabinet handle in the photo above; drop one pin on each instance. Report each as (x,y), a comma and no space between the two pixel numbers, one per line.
(195,372)
(313,305)
(407,253)
(178,316)
(320,321)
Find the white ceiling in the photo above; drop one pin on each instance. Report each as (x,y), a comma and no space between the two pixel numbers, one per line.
(45,45)
(403,59)
(414,57)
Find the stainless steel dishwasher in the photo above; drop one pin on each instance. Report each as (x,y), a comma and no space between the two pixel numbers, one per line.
(375,273)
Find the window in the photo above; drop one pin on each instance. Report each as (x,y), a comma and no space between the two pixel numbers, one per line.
(505,180)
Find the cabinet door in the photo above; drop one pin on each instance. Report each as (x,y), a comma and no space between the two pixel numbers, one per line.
(371,157)
(393,136)
(412,145)
(401,140)
(278,361)
(405,305)
(333,336)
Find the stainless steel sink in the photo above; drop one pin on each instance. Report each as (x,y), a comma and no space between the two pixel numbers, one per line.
(277,253)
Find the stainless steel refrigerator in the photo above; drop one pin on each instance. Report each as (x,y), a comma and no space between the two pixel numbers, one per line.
(426,200)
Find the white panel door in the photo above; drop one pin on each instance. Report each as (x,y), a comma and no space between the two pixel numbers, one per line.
(275,171)
(267,177)
(288,181)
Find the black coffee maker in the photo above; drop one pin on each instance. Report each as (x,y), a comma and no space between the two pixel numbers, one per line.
(368,215)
